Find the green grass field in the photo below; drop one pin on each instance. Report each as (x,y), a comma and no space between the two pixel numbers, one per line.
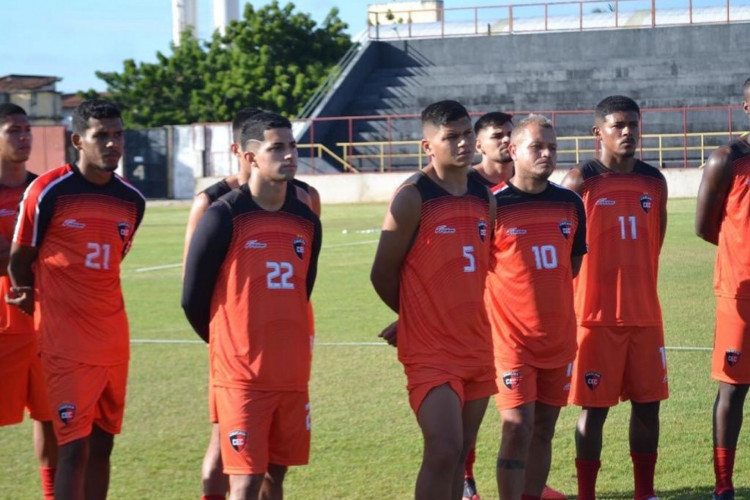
(366,443)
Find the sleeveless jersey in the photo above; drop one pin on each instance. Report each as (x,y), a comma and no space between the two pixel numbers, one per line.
(617,282)
(219,189)
(476,176)
(12,320)
(259,321)
(529,292)
(82,232)
(732,268)
(442,319)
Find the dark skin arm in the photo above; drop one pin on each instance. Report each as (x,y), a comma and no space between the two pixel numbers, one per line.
(712,194)
(22,277)
(400,226)
(663,215)
(573,180)
(4,255)
(575,264)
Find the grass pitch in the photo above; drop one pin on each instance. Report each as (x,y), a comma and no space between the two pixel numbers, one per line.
(366,443)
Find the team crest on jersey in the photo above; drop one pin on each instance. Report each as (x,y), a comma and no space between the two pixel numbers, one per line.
(566,227)
(124,229)
(646,202)
(593,380)
(733,357)
(238,440)
(512,379)
(482,228)
(67,412)
(299,247)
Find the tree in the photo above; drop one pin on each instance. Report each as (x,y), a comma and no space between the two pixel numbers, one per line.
(273,58)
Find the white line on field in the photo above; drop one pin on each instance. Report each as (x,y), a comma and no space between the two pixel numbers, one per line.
(360,344)
(326,247)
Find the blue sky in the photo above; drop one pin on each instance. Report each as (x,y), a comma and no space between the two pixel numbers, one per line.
(72,39)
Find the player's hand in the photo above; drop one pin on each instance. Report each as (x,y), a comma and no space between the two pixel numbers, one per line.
(389,334)
(21,297)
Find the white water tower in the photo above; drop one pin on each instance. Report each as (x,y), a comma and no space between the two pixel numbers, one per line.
(225,11)
(185,16)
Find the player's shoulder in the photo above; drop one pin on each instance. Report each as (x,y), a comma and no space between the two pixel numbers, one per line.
(216,191)
(589,168)
(301,184)
(475,175)
(647,170)
(128,191)
(562,193)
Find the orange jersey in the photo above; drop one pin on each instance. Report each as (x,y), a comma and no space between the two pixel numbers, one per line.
(12,320)
(441,315)
(82,232)
(529,294)
(732,269)
(617,281)
(261,266)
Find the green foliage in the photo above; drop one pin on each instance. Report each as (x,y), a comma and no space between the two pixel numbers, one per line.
(273,58)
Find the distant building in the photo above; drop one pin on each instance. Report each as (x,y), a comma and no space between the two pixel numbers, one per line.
(426,11)
(36,94)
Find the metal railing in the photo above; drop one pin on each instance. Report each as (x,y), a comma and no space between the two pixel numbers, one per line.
(321,151)
(578,15)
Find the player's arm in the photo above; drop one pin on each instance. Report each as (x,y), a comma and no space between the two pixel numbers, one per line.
(712,194)
(580,248)
(663,215)
(4,255)
(312,270)
(198,208)
(573,180)
(22,277)
(208,248)
(314,200)
(399,228)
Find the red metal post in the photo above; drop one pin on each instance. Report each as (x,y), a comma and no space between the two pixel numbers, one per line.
(546,18)
(390,145)
(476,21)
(684,138)
(580,15)
(510,19)
(312,142)
(653,13)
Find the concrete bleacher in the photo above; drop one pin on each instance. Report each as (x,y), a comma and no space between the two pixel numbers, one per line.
(662,67)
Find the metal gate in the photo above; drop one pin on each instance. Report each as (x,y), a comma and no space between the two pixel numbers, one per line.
(145,161)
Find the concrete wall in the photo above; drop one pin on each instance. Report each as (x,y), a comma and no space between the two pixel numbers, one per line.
(376,188)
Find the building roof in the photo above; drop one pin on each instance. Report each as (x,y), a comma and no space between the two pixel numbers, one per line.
(70,101)
(15,83)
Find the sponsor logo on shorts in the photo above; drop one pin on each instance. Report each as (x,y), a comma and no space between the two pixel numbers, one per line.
(512,380)
(482,227)
(733,357)
(593,380)
(443,229)
(238,440)
(67,412)
(566,227)
(605,202)
(6,212)
(514,231)
(646,202)
(566,387)
(255,244)
(124,229)
(73,224)
(299,247)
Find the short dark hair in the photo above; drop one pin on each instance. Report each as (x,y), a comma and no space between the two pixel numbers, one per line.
(615,104)
(9,109)
(442,112)
(746,87)
(492,119)
(239,120)
(94,108)
(256,125)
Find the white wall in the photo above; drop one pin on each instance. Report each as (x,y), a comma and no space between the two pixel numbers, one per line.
(362,188)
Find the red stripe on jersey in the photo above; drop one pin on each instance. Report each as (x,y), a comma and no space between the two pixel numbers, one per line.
(28,220)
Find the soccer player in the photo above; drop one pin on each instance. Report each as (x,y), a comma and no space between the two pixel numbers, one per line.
(620,333)
(493,137)
(430,267)
(215,482)
(75,225)
(21,378)
(249,274)
(723,219)
(540,240)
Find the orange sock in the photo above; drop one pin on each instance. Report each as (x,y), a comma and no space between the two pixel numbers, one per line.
(48,482)
(723,467)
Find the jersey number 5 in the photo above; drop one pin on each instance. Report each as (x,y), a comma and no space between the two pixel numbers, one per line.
(279,274)
(469,254)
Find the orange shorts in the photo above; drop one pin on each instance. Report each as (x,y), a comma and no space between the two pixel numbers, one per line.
(470,384)
(213,415)
(520,383)
(619,363)
(83,395)
(21,380)
(731,341)
(258,428)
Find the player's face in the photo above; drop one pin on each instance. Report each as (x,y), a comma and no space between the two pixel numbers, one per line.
(276,156)
(619,133)
(493,142)
(102,143)
(15,139)
(535,152)
(450,145)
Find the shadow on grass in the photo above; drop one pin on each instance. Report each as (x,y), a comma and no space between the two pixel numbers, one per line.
(701,493)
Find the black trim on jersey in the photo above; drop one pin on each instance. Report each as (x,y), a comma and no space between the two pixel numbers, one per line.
(595,167)
(737,149)
(216,191)
(429,189)
(477,176)
(511,195)
(301,184)
(210,244)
